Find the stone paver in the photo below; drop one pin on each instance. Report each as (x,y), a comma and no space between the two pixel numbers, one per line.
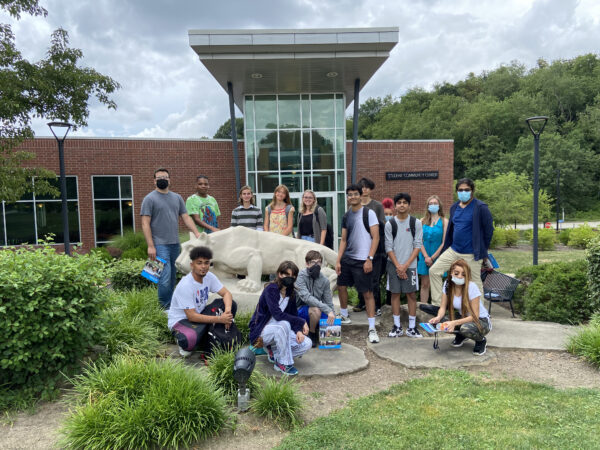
(317,362)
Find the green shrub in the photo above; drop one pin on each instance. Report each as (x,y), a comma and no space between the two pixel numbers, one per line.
(220,372)
(102,253)
(135,253)
(581,236)
(129,336)
(242,321)
(593,258)
(563,236)
(125,274)
(279,401)
(586,343)
(49,309)
(141,403)
(546,239)
(511,236)
(498,238)
(129,241)
(559,293)
(528,235)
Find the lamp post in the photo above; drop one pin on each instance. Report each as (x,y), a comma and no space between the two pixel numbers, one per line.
(536,124)
(60,130)
(557,198)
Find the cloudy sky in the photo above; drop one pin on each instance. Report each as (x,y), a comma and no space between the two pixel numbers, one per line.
(167,93)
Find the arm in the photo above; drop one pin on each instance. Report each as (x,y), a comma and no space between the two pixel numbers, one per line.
(148,235)
(374,230)
(193,316)
(290,223)
(259,220)
(322,218)
(202,223)
(190,224)
(455,323)
(272,300)
(442,310)
(234,222)
(417,242)
(266,224)
(304,294)
(341,250)
(487,226)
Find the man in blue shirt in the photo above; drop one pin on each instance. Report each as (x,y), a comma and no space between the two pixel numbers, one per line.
(468,237)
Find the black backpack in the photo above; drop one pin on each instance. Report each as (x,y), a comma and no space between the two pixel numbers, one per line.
(217,335)
(365,218)
(412,223)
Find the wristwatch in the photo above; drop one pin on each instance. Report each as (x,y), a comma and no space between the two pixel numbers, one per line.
(371,258)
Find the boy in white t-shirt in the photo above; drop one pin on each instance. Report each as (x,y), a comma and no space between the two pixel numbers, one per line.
(186,319)
(475,321)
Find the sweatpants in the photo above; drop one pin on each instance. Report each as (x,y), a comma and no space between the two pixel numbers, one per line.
(443,264)
(282,339)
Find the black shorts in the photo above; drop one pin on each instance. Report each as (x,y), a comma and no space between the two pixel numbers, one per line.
(353,274)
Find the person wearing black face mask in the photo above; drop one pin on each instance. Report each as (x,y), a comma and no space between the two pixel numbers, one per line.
(161,210)
(313,293)
(275,324)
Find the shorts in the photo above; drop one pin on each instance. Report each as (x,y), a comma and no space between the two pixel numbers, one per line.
(303,312)
(398,286)
(353,274)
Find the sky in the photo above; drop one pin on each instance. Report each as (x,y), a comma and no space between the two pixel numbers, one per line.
(166,92)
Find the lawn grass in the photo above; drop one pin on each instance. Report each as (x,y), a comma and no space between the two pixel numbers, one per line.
(512,260)
(452,409)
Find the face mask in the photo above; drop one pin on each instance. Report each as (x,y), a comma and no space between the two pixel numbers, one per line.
(314,271)
(458,281)
(464,196)
(388,217)
(433,209)
(287,282)
(162,184)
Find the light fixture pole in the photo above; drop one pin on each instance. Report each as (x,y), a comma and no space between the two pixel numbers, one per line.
(557,199)
(536,125)
(60,130)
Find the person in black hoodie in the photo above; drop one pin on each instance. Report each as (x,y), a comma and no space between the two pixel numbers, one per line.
(275,321)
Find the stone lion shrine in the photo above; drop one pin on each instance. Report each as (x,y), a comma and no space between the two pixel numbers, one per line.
(242,251)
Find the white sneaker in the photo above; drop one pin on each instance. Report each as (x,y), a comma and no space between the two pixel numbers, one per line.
(413,333)
(345,319)
(184,353)
(373,336)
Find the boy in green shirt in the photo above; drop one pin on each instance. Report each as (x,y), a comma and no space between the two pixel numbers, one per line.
(203,208)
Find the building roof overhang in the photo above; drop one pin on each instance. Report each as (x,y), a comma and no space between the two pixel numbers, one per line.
(293,61)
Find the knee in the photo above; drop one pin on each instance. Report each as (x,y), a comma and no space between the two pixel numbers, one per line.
(314,311)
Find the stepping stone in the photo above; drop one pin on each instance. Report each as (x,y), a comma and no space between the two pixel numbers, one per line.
(318,362)
(419,353)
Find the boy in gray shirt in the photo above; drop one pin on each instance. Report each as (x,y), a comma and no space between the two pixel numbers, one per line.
(403,241)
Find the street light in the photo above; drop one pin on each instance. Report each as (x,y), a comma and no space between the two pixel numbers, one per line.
(536,125)
(60,131)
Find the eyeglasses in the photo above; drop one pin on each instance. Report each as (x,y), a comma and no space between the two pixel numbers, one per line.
(463,190)
(315,261)
(353,194)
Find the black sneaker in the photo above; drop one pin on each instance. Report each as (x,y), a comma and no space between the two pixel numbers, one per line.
(413,333)
(480,347)
(396,332)
(359,308)
(458,340)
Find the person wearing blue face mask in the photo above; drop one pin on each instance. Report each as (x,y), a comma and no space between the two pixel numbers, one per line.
(468,237)
(434,229)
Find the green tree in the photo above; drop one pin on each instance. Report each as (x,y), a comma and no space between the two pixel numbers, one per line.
(54,88)
(224,131)
(510,198)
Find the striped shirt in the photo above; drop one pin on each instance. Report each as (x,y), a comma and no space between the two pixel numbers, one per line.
(250,218)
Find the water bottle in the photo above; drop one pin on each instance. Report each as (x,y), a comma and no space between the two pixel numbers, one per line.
(243,399)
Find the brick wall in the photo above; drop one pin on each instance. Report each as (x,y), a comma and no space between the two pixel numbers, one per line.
(186,159)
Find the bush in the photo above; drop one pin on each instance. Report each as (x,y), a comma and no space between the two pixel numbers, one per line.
(528,235)
(586,343)
(498,238)
(511,236)
(546,239)
(125,274)
(593,258)
(242,321)
(279,401)
(141,403)
(581,236)
(102,253)
(559,293)
(131,240)
(49,309)
(135,253)
(563,236)
(129,336)
(220,372)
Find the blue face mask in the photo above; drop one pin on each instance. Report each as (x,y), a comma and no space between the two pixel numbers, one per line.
(464,196)
(388,217)
(433,209)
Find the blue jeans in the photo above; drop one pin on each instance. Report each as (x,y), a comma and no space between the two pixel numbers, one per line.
(168,278)
(308,238)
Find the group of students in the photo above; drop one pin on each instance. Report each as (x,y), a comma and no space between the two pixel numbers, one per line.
(286,318)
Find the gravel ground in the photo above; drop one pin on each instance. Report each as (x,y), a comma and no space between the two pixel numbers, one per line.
(324,394)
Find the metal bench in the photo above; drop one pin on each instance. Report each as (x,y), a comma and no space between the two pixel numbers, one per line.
(499,287)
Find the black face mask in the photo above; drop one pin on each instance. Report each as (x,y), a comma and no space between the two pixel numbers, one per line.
(162,184)
(314,271)
(287,282)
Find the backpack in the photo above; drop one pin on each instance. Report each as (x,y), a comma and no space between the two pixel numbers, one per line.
(217,335)
(329,235)
(412,223)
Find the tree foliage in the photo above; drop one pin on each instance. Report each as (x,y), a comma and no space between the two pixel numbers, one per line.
(485,115)
(54,88)
(224,131)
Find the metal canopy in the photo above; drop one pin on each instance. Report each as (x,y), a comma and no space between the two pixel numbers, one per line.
(293,61)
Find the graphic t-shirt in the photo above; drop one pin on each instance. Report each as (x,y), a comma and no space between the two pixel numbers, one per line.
(189,294)
(206,207)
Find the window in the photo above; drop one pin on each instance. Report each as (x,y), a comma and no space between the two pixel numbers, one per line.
(113,206)
(33,218)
